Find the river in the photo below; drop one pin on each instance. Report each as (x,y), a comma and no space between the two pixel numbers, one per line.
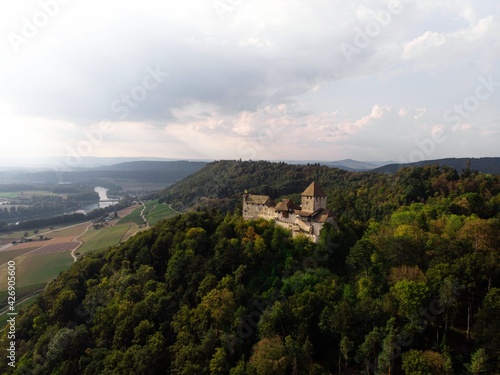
(104,201)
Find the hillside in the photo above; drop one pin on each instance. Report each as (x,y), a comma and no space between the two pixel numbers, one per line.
(221,184)
(355,165)
(354,195)
(413,289)
(484,165)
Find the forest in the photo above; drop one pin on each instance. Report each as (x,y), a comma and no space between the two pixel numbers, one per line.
(406,281)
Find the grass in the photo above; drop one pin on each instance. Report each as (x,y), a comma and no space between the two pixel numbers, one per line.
(57,231)
(25,194)
(8,195)
(8,255)
(154,212)
(134,217)
(36,269)
(162,211)
(72,231)
(34,193)
(98,239)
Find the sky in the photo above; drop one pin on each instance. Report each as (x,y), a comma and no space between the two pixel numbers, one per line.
(261,79)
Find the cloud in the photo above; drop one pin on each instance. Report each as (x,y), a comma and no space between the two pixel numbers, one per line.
(269,76)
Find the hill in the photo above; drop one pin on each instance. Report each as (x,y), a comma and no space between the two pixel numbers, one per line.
(355,165)
(159,166)
(484,165)
(221,184)
(413,288)
(355,195)
(160,172)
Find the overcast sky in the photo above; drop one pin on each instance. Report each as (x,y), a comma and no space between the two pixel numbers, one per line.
(250,79)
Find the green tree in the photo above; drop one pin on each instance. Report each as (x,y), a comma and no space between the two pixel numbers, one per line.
(359,257)
(479,363)
(270,357)
(416,362)
(411,296)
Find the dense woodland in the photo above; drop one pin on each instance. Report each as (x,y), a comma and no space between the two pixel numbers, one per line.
(405,281)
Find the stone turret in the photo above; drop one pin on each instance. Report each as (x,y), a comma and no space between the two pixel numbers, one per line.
(313,198)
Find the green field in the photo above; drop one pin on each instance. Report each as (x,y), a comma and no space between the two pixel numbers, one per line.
(103,238)
(154,212)
(8,255)
(134,217)
(27,193)
(39,193)
(8,195)
(37,269)
(162,211)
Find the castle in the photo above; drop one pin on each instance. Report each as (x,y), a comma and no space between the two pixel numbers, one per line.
(307,219)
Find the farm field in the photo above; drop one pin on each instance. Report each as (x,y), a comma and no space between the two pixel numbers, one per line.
(37,193)
(8,195)
(103,238)
(160,212)
(134,217)
(72,230)
(39,268)
(27,194)
(154,212)
(6,255)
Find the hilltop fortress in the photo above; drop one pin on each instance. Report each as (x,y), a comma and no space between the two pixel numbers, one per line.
(307,219)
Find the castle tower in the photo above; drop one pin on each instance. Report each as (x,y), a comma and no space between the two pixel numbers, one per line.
(313,198)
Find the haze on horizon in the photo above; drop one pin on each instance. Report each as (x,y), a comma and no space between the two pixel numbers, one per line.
(230,79)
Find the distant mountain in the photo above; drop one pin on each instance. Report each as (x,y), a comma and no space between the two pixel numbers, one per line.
(159,172)
(484,165)
(183,165)
(355,165)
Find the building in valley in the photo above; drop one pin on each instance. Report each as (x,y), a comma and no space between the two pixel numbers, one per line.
(307,219)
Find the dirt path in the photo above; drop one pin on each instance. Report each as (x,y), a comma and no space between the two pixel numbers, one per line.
(170,206)
(80,243)
(143,216)
(29,252)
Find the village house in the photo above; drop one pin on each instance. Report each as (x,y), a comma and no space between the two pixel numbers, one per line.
(307,219)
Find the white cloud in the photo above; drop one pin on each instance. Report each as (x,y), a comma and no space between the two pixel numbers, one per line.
(271,76)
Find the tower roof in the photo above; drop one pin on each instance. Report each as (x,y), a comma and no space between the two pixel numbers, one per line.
(313,190)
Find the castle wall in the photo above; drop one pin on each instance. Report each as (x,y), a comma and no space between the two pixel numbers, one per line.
(252,211)
(288,220)
(311,204)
